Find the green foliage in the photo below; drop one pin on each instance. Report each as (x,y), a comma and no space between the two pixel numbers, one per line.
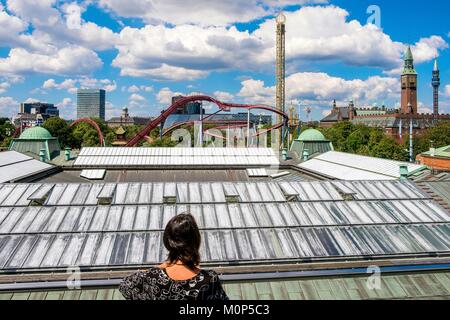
(84,136)
(3,121)
(388,148)
(438,136)
(165,142)
(364,140)
(6,132)
(58,128)
(132,131)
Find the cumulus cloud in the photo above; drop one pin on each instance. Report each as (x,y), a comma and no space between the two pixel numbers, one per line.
(68,84)
(184,52)
(447,90)
(39,13)
(134,88)
(68,60)
(199,12)
(422,108)
(322,88)
(188,52)
(137,98)
(72,85)
(254,91)
(38,34)
(164,96)
(67,108)
(8,106)
(424,50)
(4,86)
(53,26)
(223,96)
(32,100)
(10,28)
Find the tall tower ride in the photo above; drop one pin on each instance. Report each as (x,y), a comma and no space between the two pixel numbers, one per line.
(281,65)
(409,85)
(436,82)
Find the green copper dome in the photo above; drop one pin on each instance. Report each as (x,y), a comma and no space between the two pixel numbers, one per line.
(36,133)
(312,135)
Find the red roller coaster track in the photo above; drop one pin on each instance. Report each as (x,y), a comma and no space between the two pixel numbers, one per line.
(222,106)
(94,125)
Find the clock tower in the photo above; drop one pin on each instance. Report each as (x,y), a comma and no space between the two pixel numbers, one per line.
(409,85)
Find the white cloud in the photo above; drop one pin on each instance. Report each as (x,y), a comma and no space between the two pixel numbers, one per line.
(327,33)
(164,96)
(183,52)
(39,13)
(428,48)
(137,98)
(67,108)
(424,50)
(32,100)
(69,60)
(133,89)
(322,88)
(147,88)
(200,12)
(421,108)
(188,52)
(10,27)
(254,91)
(68,84)
(447,90)
(223,96)
(72,85)
(53,26)
(4,86)
(8,106)
(111,110)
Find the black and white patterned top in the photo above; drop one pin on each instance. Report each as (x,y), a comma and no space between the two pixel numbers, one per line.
(155,284)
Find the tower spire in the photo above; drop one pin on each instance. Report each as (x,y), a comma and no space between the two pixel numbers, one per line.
(436,82)
(281,69)
(409,62)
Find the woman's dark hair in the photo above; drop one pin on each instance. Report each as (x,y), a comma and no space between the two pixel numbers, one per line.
(182,239)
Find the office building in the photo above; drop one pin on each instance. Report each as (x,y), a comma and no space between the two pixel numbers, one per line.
(47,110)
(91,103)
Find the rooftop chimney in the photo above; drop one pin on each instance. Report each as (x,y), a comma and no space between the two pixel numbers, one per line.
(305,155)
(403,172)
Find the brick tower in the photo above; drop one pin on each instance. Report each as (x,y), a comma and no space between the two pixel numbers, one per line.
(409,85)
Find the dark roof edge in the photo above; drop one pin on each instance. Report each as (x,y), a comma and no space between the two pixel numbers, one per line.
(286,275)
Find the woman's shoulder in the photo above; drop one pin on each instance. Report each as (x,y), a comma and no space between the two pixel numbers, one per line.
(211,274)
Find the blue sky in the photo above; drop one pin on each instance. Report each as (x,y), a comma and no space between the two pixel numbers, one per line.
(142,52)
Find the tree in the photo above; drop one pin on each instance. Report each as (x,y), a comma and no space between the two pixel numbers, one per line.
(6,132)
(388,148)
(338,135)
(58,128)
(438,136)
(364,140)
(84,135)
(358,139)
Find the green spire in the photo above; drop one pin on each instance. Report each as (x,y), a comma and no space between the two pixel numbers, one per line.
(436,67)
(409,62)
